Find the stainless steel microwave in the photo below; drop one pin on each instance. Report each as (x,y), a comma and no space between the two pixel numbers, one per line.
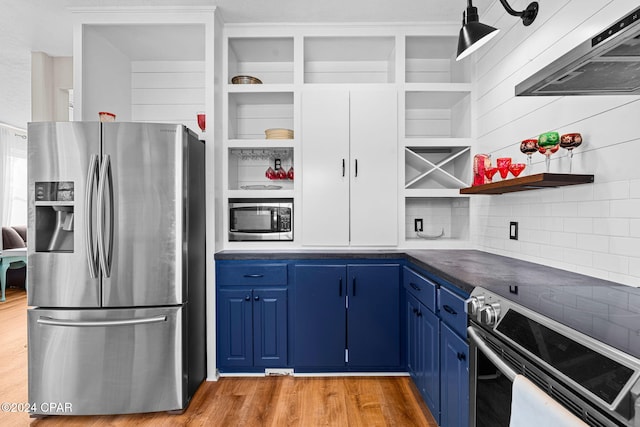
(260,219)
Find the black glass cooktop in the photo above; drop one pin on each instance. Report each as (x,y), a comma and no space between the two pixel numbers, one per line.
(610,314)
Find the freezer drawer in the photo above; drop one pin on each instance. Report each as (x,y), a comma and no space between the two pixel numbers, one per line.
(112,361)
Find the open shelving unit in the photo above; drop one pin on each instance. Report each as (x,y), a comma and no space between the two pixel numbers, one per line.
(269,59)
(349,59)
(435,134)
(437,140)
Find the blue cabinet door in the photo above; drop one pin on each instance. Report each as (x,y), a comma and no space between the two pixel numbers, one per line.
(373,315)
(423,352)
(235,346)
(270,327)
(320,315)
(429,338)
(454,379)
(412,307)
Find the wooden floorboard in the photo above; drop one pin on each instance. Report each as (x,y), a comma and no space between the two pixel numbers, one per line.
(270,401)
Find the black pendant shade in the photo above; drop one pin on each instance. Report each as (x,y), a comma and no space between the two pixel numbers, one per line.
(472,36)
(475,34)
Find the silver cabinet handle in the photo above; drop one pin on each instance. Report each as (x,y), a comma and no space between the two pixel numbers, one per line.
(88,217)
(104,259)
(100,323)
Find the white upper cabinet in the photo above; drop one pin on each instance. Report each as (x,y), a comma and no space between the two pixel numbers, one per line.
(325,171)
(349,179)
(374,153)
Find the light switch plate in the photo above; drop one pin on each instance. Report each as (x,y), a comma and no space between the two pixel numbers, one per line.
(513,230)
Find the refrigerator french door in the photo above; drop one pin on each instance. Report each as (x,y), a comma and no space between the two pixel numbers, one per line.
(116,268)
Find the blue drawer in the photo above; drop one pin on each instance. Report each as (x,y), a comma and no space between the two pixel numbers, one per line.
(252,274)
(452,312)
(420,287)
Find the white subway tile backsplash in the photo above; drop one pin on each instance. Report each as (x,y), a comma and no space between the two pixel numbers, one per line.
(565,209)
(634,189)
(629,208)
(592,242)
(578,225)
(594,209)
(625,246)
(535,236)
(578,257)
(611,190)
(611,263)
(611,226)
(531,249)
(567,240)
(577,193)
(634,228)
(634,272)
(551,195)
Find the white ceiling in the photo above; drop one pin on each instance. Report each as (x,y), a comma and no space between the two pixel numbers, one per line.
(46,26)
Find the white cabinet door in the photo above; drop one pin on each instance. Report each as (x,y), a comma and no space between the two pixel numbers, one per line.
(325,167)
(374,185)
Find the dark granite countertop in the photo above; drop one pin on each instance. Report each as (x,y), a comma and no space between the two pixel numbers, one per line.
(464,269)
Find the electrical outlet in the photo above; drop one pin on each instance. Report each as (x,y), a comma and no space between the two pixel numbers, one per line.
(513,230)
(417,224)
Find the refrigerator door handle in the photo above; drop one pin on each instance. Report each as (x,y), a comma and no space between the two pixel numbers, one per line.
(100,323)
(92,260)
(105,256)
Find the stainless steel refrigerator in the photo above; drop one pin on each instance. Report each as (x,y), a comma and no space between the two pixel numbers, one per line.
(115,268)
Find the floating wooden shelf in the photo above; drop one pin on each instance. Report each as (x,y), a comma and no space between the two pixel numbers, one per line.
(529,182)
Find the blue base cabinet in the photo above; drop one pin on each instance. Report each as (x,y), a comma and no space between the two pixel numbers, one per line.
(454,379)
(252,322)
(423,352)
(347,317)
(437,352)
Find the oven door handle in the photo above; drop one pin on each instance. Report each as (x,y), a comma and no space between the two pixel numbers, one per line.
(491,355)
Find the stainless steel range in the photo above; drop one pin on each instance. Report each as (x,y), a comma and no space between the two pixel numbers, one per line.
(583,367)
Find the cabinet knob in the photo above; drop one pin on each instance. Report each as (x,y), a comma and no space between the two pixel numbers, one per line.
(419,313)
(256,298)
(462,356)
(415,310)
(247,297)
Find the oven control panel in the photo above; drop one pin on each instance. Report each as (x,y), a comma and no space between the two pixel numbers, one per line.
(484,309)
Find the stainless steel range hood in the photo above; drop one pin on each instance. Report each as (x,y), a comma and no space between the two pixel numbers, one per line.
(607,64)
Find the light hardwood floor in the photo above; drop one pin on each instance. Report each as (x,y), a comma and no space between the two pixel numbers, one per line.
(272,401)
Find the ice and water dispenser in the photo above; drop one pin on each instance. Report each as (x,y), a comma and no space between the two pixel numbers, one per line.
(54,216)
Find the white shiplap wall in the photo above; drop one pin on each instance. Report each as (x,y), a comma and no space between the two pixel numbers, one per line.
(593,229)
(167,92)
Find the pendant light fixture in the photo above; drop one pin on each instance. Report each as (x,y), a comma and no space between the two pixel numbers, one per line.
(475,34)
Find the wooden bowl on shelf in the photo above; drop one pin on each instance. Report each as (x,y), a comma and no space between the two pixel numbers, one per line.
(279,133)
(245,80)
